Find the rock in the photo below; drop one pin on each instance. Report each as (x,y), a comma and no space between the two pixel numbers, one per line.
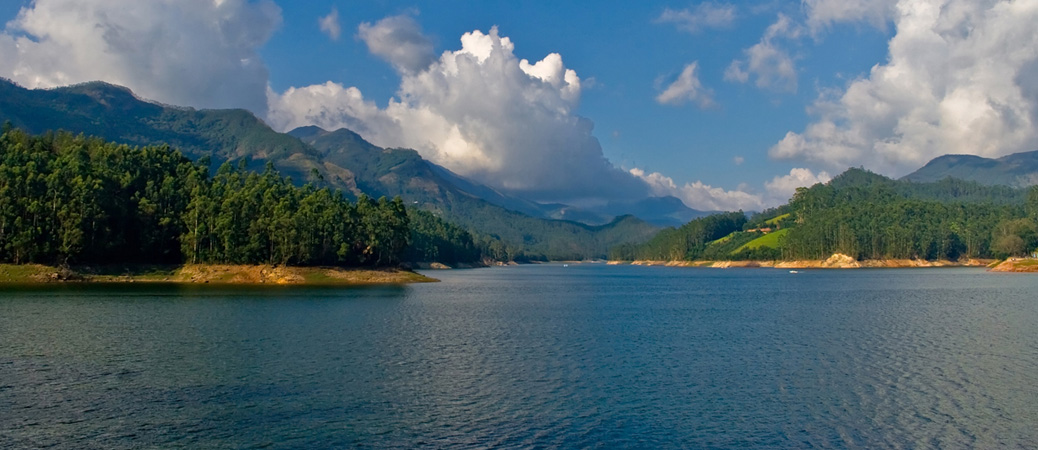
(841,261)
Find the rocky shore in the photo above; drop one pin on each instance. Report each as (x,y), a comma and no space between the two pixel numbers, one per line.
(836,261)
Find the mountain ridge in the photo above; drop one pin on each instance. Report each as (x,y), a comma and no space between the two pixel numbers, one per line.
(340,159)
(1015,170)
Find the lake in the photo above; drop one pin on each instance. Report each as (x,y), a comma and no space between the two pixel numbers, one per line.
(540,356)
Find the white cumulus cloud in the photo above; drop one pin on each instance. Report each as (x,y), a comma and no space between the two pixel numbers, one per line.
(200,53)
(330,106)
(698,195)
(704,197)
(399,41)
(687,88)
(329,24)
(702,16)
(768,61)
(480,111)
(959,78)
(781,188)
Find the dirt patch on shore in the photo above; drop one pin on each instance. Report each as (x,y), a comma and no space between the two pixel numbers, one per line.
(210,274)
(265,274)
(1018,265)
(195,273)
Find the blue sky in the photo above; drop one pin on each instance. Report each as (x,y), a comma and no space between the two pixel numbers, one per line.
(725,105)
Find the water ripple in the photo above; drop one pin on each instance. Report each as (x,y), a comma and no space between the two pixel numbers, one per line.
(532,357)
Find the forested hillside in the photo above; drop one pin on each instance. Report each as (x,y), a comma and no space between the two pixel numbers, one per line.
(878,222)
(71,199)
(865,216)
(338,160)
(117,115)
(505,234)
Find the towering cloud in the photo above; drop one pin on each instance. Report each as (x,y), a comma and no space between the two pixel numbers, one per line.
(480,111)
(959,78)
(187,52)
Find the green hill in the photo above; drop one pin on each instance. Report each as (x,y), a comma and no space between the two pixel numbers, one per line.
(770,240)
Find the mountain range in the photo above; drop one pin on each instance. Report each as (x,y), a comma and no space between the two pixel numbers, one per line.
(344,160)
(1016,170)
(341,159)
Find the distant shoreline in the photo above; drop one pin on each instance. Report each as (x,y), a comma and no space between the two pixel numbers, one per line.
(837,261)
(221,274)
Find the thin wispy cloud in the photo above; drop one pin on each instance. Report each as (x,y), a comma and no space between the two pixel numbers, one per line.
(823,14)
(329,24)
(768,61)
(687,89)
(699,18)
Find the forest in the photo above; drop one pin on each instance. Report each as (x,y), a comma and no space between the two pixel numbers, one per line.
(68,199)
(866,216)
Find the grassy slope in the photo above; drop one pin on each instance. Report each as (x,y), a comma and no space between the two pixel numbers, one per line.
(768,240)
(775,220)
(724,239)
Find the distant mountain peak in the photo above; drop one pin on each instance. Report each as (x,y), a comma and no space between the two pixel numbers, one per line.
(308,132)
(108,94)
(1016,170)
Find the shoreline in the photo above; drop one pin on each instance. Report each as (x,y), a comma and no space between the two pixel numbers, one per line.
(216,274)
(1017,265)
(837,261)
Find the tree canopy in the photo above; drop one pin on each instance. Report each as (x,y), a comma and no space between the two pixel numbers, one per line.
(74,199)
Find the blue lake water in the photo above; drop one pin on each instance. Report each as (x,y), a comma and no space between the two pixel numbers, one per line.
(584,356)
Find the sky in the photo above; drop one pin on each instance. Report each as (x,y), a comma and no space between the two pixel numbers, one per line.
(724,105)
